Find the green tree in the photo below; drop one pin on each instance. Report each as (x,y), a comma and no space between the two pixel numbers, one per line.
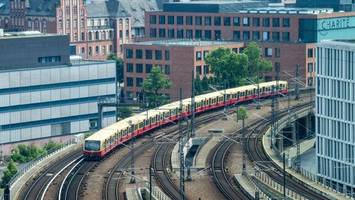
(256,64)
(10,171)
(153,85)
(124,112)
(204,83)
(119,66)
(198,86)
(24,153)
(228,67)
(52,146)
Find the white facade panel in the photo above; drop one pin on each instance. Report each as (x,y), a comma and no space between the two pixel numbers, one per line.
(75,127)
(45,95)
(14,79)
(4,80)
(14,99)
(36,132)
(4,100)
(84,73)
(15,117)
(35,114)
(45,131)
(4,118)
(26,134)
(35,97)
(25,98)
(110,88)
(74,109)
(84,91)
(55,75)
(25,78)
(55,94)
(26,115)
(92,107)
(64,75)
(55,112)
(84,125)
(15,135)
(101,72)
(45,113)
(93,72)
(4,136)
(111,70)
(93,90)
(102,89)
(74,73)
(84,108)
(65,111)
(36,77)
(45,76)
(65,93)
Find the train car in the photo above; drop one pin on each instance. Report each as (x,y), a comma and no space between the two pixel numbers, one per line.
(105,140)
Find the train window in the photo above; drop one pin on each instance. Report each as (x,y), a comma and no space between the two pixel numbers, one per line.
(92,145)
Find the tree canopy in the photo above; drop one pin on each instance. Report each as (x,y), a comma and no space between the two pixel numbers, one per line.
(242,114)
(10,171)
(153,85)
(257,65)
(119,66)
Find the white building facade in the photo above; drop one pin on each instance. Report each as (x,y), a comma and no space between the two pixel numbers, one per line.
(51,101)
(335,115)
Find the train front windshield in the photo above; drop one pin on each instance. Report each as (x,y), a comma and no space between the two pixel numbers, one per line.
(92,145)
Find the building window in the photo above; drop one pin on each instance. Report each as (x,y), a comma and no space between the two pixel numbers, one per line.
(226,21)
(161,19)
(162,33)
(171,33)
(256,35)
(158,55)
(266,22)
(236,21)
(277,53)
(310,81)
(198,55)
(167,54)
(246,21)
(266,36)
(139,82)
(217,21)
(286,36)
(148,54)
(148,68)
(206,69)
(275,22)
(189,20)
(268,52)
(256,21)
(139,53)
(180,33)
(129,67)
(310,53)
(205,53)
(152,19)
(276,36)
(198,70)
(208,21)
(208,34)
(139,68)
(189,33)
(82,50)
(171,20)
(246,35)
(129,53)
(180,20)
(90,51)
(167,69)
(153,32)
(97,50)
(198,34)
(236,35)
(49,59)
(129,81)
(82,36)
(310,68)
(217,35)
(286,22)
(198,20)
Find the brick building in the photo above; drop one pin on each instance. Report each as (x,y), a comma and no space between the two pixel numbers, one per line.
(96,28)
(286,35)
(177,59)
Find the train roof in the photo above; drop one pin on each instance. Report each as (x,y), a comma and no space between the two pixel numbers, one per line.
(137,118)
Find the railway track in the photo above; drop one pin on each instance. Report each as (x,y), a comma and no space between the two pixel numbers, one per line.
(38,188)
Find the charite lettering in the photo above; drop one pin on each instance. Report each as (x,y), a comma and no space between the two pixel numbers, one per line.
(336,24)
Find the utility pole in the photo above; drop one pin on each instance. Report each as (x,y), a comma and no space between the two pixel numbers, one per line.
(284,175)
(258,88)
(150,183)
(133,180)
(181,151)
(274,107)
(192,123)
(297,89)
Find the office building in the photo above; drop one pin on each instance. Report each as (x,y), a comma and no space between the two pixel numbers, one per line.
(335,115)
(337,5)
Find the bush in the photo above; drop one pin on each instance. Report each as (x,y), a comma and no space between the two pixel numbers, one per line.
(52,146)
(23,153)
(10,171)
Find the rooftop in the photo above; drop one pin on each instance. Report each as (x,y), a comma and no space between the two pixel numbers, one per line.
(184,43)
(23,34)
(287,10)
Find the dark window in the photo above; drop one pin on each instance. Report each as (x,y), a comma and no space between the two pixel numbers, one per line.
(148,68)
(171,20)
(153,19)
(198,34)
(246,35)
(162,33)
(227,21)
(217,21)
(139,82)
(246,21)
(167,55)
(217,35)
(286,22)
(206,69)
(153,32)
(189,33)
(129,53)
(256,35)
(129,81)
(189,20)
(208,34)
(266,22)
(180,20)
(161,19)
(198,20)
(256,21)
(139,68)
(198,70)
(205,53)
(310,53)
(286,36)
(180,33)
(277,52)
(139,53)
(158,55)
(310,81)
(275,22)
(236,35)
(129,67)
(148,54)
(198,55)
(266,36)
(236,21)
(268,52)
(49,59)
(167,69)
(310,68)
(276,36)
(171,33)
(208,21)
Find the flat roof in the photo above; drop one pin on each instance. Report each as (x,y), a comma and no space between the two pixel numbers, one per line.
(181,42)
(25,34)
(287,10)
